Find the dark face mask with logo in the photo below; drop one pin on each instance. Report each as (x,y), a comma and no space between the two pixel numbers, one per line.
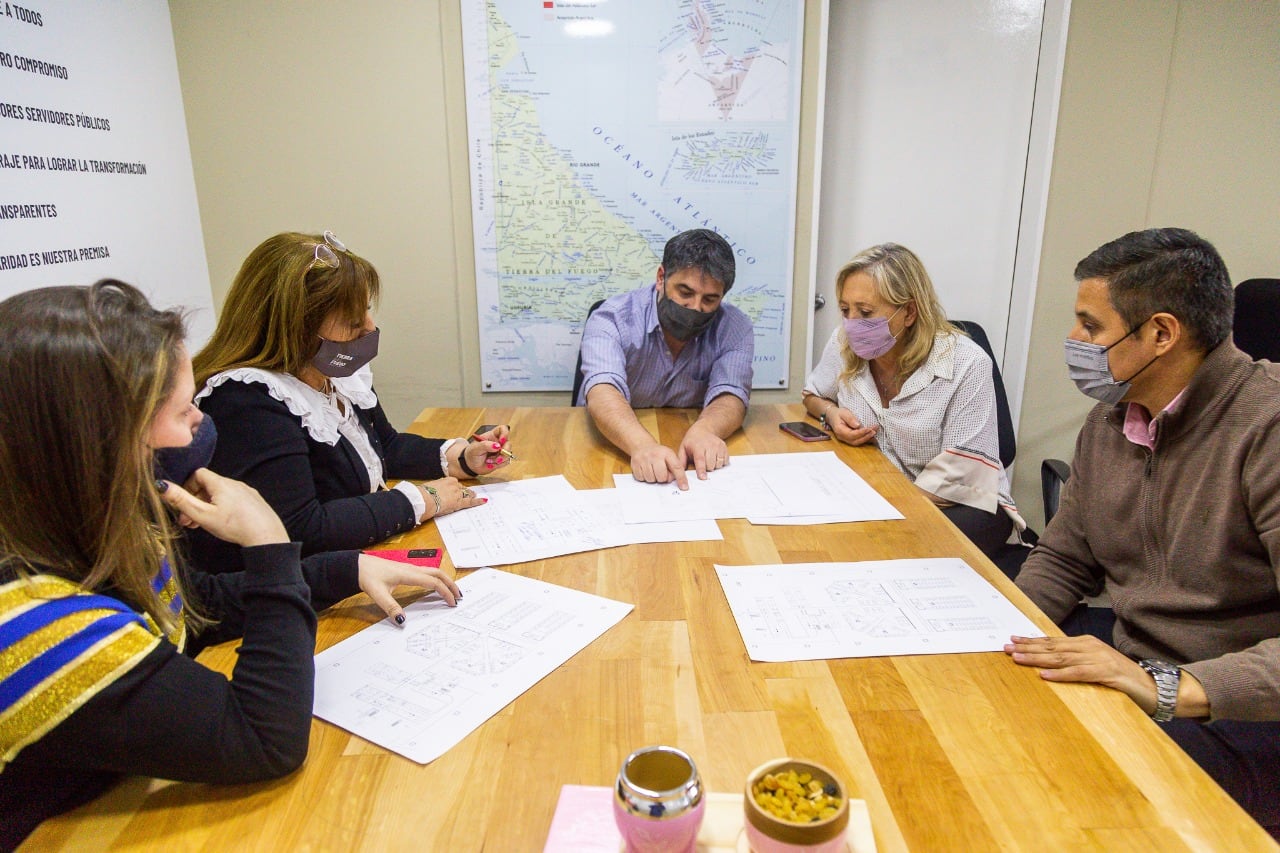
(339,359)
(680,322)
(177,464)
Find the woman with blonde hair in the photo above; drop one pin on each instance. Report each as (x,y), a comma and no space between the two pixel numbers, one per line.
(285,375)
(96,605)
(897,373)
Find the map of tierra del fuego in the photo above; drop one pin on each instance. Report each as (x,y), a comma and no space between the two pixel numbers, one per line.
(598,130)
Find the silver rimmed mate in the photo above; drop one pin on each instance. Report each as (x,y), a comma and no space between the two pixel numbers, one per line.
(657,801)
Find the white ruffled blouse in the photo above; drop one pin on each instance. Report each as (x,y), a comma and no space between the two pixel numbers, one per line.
(327,417)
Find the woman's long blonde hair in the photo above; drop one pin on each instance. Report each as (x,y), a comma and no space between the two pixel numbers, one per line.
(899,278)
(279,301)
(83,371)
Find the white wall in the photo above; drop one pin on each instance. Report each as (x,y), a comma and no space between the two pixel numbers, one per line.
(925,144)
(111,68)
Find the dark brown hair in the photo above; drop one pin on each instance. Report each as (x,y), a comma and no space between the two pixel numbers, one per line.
(1166,269)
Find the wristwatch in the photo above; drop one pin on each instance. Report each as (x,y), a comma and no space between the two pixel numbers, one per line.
(822,418)
(1167,676)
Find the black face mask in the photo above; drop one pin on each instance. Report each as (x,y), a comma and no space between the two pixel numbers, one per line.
(177,464)
(337,359)
(682,323)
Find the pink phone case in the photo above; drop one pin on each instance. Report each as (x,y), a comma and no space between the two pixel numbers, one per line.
(803,436)
(403,557)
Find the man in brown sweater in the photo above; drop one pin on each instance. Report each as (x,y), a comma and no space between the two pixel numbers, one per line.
(1174,504)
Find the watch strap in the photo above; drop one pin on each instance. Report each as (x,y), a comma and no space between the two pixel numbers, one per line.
(1166,676)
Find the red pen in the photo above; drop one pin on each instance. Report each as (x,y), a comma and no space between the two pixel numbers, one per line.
(501,450)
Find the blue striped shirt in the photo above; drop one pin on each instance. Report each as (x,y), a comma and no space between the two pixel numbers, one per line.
(623,345)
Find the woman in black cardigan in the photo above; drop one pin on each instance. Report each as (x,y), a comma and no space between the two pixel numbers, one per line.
(96,604)
(285,377)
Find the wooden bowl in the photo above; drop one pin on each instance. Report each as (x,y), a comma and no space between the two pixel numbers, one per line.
(767,833)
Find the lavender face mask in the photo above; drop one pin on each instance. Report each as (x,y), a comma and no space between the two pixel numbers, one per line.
(869,337)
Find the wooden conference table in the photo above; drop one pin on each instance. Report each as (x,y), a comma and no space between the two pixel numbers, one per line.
(960,752)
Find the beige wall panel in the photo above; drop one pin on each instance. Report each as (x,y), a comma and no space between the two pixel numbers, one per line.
(1104,152)
(1170,116)
(1218,170)
(331,115)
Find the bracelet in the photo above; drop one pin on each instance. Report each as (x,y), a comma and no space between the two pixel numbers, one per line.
(822,418)
(462,463)
(435,496)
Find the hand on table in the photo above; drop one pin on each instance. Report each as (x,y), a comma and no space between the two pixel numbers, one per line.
(379,579)
(452,494)
(1085,659)
(657,464)
(706,450)
(846,427)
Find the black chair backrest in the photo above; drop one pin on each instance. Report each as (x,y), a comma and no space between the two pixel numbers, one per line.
(1054,474)
(1004,420)
(577,370)
(1257,323)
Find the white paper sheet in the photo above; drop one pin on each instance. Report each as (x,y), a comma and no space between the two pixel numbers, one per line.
(844,496)
(546,517)
(727,493)
(420,689)
(609,503)
(767,488)
(816,611)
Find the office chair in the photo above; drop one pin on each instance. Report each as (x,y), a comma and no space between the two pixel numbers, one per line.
(1053,476)
(1257,322)
(1010,558)
(1004,419)
(577,370)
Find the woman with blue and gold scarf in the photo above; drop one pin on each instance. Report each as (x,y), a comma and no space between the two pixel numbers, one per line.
(95,604)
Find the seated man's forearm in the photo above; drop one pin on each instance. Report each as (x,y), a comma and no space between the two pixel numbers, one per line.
(723,416)
(616,420)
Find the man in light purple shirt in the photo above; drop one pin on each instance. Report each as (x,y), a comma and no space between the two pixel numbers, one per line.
(675,344)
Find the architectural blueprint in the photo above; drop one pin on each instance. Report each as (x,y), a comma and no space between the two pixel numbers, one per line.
(815,611)
(420,689)
(546,517)
(766,488)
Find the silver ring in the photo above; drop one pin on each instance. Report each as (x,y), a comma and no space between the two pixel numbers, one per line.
(467,493)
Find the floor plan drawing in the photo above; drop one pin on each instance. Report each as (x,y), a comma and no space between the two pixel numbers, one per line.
(420,689)
(888,607)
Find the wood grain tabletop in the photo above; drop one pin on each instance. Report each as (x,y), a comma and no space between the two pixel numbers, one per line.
(956,752)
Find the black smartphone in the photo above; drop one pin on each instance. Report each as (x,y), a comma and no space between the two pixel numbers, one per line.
(803,431)
(423,552)
(483,428)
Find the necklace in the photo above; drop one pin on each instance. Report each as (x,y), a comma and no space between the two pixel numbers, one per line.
(888,388)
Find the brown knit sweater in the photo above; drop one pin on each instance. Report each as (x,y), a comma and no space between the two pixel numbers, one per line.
(1187,536)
